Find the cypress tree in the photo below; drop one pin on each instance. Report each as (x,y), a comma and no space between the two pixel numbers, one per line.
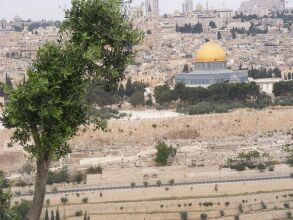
(57,214)
(121,91)
(46,215)
(219,35)
(84,218)
(52,215)
(128,89)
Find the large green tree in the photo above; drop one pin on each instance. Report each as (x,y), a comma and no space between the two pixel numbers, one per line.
(48,109)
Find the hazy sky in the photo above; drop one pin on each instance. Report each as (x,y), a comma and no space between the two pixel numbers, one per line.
(52,9)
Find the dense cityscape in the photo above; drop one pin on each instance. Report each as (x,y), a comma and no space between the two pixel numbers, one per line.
(135,114)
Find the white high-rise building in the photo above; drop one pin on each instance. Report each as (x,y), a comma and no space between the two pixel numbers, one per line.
(187,6)
(261,6)
(152,8)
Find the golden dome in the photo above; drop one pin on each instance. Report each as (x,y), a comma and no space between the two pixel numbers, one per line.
(210,52)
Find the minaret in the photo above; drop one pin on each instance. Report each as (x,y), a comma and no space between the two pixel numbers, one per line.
(207,5)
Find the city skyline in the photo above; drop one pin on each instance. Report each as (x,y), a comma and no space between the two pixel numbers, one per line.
(53,9)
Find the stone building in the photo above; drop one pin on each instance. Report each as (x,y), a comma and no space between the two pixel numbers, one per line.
(210,67)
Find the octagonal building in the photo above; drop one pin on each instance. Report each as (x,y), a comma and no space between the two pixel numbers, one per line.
(210,67)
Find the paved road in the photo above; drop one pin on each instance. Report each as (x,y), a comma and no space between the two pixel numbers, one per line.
(78,190)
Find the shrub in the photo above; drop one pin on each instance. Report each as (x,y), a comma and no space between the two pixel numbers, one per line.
(207,204)
(21,184)
(236,217)
(203,216)
(146,184)
(85,200)
(132,185)
(227,203)
(263,205)
(78,178)
(222,213)
(171,182)
(21,209)
(158,183)
(261,167)
(58,176)
(239,166)
(163,153)
(286,205)
(78,213)
(95,170)
(64,200)
(271,168)
(288,214)
(184,215)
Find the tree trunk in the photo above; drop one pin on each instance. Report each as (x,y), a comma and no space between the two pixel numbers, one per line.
(43,166)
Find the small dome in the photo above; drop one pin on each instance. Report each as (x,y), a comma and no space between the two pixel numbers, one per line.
(210,52)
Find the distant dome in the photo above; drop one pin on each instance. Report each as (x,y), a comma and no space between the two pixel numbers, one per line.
(210,52)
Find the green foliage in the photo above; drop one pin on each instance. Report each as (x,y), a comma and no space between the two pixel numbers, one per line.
(137,99)
(121,91)
(149,101)
(5,198)
(58,176)
(283,88)
(264,73)
(52,215)
(64,200)
(50,106)
(219,35)
(57,214)
(183,215)
(78,178)
(289,151)
(21,183)
(249,156)
(188,28)
(186,68)
(163,94)
(233,33)
(212,24)
(47,110)
(261,167)
(171,182)
(78,213)
(85,200)
(251,160)
(246,17)
(99,95)
(145,183)
(203,216)
(20,210)
(95,170)
(128,89)
(163,153)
